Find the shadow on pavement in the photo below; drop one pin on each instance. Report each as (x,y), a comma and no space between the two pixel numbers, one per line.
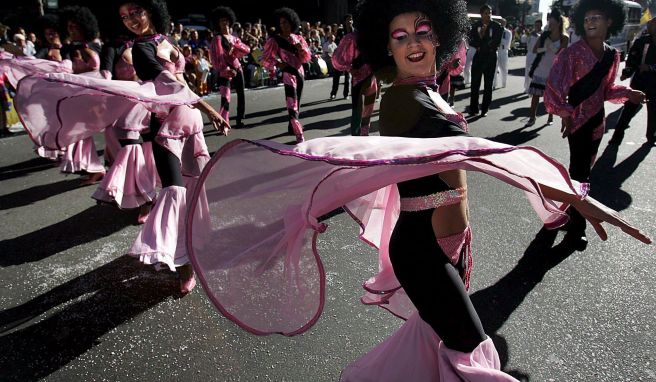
(34,194)
(607,178)
(518,136)
(85,309)
(91,224)
(25,168)
(497,302)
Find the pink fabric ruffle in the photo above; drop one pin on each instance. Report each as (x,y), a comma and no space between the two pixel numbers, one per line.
(53,155)
(112,146)
(82,156)
(158,241)
(415,353)
(61,109)
(259,263)
(130,182)
(18,67)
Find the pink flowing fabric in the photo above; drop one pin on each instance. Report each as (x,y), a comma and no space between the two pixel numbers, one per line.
(61,109)
(259,264)
(161,240)
(130,182)
(569,66)
(19,67)
(415,353)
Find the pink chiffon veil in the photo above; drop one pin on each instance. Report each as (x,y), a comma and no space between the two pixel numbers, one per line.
(258,259)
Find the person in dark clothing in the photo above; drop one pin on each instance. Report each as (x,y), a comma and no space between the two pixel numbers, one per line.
(485,36)
(641,64)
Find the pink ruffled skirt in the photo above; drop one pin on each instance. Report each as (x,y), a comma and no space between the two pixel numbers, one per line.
(82,156)
(131,181)
(416,353)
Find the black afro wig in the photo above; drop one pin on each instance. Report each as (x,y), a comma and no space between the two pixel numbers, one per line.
(219,13)
(448,17)
(288,14)
(613,9)
(83,17)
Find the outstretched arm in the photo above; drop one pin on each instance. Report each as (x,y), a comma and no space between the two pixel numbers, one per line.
(596,213)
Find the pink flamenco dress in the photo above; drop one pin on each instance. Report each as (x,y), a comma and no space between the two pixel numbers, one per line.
(61,108)
(258,261)
(131,179)
(82,156)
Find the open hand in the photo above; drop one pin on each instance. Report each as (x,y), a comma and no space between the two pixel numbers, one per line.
(637,97)
(596,213)
(220,124)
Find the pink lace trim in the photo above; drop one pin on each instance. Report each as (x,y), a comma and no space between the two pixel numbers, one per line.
(438,199)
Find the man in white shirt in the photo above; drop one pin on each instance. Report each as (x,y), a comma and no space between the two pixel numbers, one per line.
(502,57)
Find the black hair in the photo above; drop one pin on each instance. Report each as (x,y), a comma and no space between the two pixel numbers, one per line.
(613,9)
(83,17)
(219,13)
(49,21)
(485,7)
(159,14)
(288,14)
(448,17)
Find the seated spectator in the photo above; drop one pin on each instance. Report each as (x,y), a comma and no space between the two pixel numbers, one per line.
(22,44)
(184,38)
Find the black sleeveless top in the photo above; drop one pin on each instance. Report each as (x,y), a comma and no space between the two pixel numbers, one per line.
(408,111)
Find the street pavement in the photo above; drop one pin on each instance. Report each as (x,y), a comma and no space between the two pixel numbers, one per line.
(73,308)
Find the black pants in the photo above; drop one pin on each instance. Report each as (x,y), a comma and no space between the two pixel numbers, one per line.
(582,153)
(433,283)
(629,111)
(347,81)
(168,165)
(482,66)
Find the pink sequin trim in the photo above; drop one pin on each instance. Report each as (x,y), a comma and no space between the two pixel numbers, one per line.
(438,199)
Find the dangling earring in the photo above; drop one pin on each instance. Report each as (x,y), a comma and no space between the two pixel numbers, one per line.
(389,52)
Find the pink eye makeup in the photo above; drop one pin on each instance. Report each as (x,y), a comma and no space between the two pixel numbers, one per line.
(399,34)
(424,28)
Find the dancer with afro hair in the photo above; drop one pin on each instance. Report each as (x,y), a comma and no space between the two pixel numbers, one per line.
(288,51)
(226,51)
(581,79)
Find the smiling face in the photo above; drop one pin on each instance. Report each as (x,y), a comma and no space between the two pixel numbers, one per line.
(136,19)
(412,43)
(596,24)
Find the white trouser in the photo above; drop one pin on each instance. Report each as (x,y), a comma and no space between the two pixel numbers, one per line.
(502,68)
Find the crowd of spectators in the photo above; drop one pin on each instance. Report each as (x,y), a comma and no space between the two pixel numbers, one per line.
(194,43)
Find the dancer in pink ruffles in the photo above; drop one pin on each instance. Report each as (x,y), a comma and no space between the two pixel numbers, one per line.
(288,52)
(59,109)
(346,58)
(132,177)
(84,52)
(225,52)
(407,189)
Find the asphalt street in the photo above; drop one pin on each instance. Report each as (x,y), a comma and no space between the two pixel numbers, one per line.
(74,308)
